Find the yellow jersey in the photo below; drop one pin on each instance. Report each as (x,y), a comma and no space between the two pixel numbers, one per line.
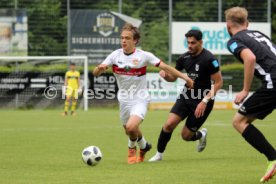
(72,78)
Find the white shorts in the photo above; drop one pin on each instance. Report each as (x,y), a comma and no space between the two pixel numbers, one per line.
(138,109)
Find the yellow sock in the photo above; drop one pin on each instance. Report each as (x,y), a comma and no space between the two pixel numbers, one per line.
(66,105)
(74,104)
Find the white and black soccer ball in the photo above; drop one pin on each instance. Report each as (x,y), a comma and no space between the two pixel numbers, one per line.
(91,155)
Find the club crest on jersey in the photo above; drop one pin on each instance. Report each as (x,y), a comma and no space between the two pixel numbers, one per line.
(127,68)
(135,62)
(196,67)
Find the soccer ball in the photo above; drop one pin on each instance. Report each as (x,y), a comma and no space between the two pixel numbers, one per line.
(91,155)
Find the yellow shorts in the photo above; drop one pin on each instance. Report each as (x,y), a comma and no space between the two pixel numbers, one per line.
(72,92)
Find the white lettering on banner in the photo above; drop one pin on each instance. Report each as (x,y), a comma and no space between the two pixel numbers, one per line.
(15,80)
(215,35)
(12,86)
(105,79)
(56,79)
(94,40)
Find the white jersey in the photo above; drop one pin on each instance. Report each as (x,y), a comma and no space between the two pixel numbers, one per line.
(130,72)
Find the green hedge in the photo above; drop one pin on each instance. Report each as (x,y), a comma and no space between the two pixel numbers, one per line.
(233,76)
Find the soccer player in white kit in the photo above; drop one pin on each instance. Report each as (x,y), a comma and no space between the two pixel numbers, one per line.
(129,67)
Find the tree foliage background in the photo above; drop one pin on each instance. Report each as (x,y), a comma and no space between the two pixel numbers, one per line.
(47,19)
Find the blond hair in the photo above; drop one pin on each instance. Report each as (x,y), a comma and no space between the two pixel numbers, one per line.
(237,15)
(135,31)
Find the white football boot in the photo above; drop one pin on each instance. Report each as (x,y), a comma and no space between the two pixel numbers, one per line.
(157,157)
(202,142)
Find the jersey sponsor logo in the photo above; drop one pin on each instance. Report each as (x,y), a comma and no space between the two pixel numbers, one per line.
(127,68)
(215,63)
(129,71)
(233,46)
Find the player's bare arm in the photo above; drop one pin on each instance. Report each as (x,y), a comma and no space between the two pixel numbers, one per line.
(66,81)
(172,71)
(168,77)
(218,82)
(249,60)
(100,69)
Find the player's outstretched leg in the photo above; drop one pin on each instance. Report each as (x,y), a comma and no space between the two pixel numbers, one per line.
(270,172)
(202,142)
(143,152)
(163,140)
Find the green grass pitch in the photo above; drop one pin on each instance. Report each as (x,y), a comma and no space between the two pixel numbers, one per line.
(42,147)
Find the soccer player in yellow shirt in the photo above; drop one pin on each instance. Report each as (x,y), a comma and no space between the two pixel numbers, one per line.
(71,84)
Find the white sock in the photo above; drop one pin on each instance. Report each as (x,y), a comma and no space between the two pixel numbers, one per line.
(131,144)
(203,133)
(159,154)
(142,143)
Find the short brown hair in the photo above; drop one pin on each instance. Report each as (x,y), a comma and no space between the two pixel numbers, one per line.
(135,31)
(237,15)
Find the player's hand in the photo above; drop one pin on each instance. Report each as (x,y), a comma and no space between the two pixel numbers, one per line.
(240,97)
(162,73)
(80,91)
(63,89)
(200,109)
(102,67)
(190,83)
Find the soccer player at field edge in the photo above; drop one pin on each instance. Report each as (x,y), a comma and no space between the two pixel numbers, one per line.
(129,67)
(72,85)
(194,105)
(258,55)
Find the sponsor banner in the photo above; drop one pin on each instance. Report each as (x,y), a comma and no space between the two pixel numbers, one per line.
(162,91)
(96,33)
(103,87)
(13,32)
(215,35)
(35,82)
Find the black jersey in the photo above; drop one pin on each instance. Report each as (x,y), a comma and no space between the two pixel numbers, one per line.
(199,68)
(264,50)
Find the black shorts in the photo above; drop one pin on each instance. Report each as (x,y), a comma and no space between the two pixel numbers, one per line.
(259,104)
(185,108)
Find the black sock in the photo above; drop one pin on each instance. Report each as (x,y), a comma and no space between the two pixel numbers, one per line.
(196,136)
(163,139)
(254,137)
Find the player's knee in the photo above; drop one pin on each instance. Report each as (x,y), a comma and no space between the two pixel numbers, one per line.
(235,123)
(130,130)
(186,137)
(168,127)
(238,123)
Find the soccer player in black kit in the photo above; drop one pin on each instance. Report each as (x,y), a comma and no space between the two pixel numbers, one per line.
(195,104)
(258,54)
